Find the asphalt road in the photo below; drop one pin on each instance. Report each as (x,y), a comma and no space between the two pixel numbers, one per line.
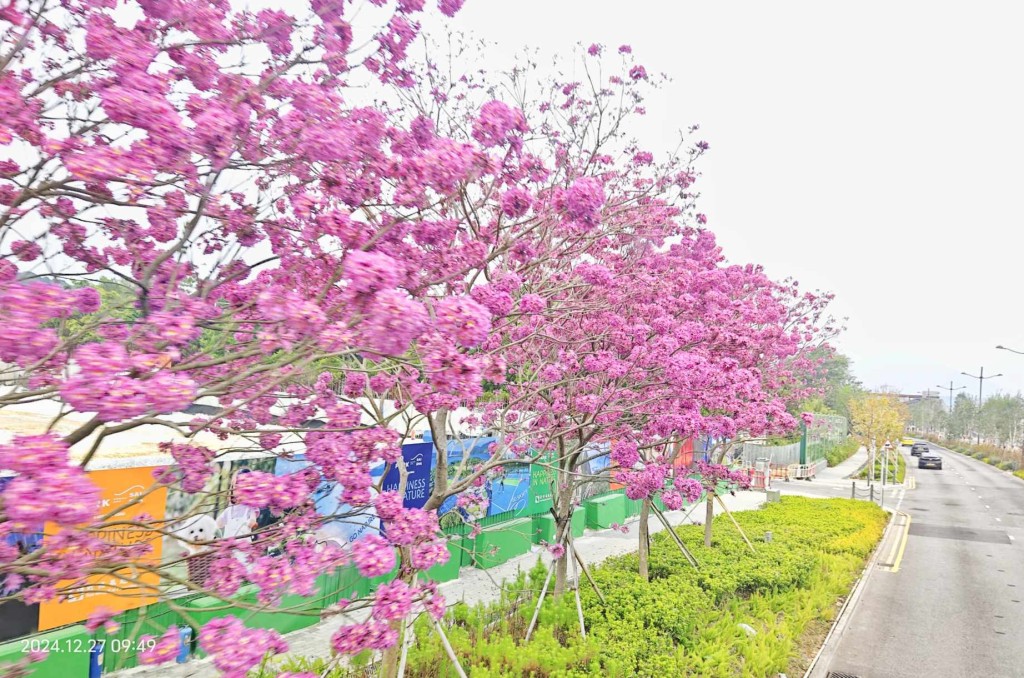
(954,604)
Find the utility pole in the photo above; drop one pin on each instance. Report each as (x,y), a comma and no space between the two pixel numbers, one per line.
(951,391)
(981,381)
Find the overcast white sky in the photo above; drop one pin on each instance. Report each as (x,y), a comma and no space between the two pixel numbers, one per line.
(874,149)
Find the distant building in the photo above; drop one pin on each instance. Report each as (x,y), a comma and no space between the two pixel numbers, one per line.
(909,398)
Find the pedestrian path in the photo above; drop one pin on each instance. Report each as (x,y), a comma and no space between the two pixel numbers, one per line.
(846,468)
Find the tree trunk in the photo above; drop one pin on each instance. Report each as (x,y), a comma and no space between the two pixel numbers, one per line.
(392,655)
(708,516)
(645,539)
(563,524)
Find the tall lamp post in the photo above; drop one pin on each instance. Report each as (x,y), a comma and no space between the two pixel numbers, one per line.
(951,391)
(1012,350)
(981,381)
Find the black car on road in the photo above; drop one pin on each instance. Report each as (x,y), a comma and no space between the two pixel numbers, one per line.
(929,460)
(918,449)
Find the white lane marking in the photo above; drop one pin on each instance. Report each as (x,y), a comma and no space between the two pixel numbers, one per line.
(999,520)
(986,505)
(1010,536)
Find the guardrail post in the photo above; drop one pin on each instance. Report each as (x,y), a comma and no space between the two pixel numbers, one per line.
(872,488)
(853,489)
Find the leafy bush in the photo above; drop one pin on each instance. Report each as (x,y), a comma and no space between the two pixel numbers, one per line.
(684,622)
(842,451)
(1004,459)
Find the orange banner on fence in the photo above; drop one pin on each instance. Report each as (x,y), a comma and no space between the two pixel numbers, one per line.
(129,488)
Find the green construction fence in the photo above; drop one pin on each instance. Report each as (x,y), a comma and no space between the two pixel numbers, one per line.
(500,538)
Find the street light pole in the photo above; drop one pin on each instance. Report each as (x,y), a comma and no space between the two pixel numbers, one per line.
(951,390)
(981,380)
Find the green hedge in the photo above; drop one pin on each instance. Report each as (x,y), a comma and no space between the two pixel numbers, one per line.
(684,622)
(841,452)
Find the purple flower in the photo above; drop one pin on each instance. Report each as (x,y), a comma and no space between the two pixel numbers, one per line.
(515,202)
(638,73)
(463,319)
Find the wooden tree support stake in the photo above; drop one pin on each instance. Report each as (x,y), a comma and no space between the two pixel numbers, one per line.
(406,642)
(579,604)
(675,537)
(540,601)
(742,533)
(448,649)
(583,566)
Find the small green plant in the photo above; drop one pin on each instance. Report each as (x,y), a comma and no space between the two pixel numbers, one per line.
(684,621)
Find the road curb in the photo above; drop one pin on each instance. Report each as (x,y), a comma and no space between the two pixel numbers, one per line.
(820,664)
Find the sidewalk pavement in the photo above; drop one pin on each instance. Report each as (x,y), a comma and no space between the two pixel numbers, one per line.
(846,468)
(473,585)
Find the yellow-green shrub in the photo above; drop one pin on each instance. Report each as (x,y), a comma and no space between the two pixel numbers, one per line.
(684,622)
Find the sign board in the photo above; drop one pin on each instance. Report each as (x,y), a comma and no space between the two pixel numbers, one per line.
(343,523)
(541,484)
(130,488)
(419,462)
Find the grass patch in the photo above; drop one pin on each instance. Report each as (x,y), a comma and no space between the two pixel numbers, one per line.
(684,622)
(895,472)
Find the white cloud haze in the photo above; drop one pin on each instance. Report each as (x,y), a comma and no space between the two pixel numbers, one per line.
(871,149)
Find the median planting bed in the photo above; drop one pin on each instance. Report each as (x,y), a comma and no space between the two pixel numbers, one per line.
(685,621)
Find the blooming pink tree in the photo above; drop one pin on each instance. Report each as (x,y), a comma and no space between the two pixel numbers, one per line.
(263,234)
(576,192)
(195,210)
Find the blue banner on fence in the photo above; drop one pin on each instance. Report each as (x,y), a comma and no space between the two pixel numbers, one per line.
(511,492)
(419,461)
(345,524)
(479,449)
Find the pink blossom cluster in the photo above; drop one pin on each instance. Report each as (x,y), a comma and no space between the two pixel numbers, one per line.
(689,488)
(372,635)
(43,471)
(498,124)
(159,650)
(25,307)
(463,319)
(393,600)
(193,466)
(373,555)
(713,474)
(236,649)
(109,383)
(645,483)
(279,492)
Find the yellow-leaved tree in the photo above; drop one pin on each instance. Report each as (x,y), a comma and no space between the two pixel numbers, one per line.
(876,419)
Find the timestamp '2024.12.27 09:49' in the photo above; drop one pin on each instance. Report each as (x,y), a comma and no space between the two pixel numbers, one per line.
(76,645)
